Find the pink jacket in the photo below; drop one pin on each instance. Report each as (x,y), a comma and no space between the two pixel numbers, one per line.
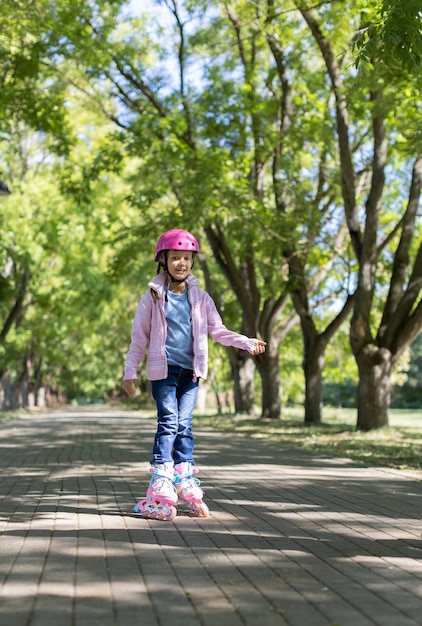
(149,332)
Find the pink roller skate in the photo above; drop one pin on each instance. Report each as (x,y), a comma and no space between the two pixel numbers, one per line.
(189,490)
(161,495)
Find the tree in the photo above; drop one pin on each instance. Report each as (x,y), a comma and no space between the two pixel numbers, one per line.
(248,124)
(62,329)
(241,132)
(40,301)
(173,130)
(232,125)
(376,350)
(32,93)
(289,179)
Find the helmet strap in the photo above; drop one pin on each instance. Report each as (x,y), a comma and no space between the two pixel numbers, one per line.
(166,269)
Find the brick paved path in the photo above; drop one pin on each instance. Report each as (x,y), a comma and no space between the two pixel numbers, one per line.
(292,539)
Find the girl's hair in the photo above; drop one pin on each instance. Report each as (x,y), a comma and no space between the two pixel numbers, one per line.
(160,262)
(160,267)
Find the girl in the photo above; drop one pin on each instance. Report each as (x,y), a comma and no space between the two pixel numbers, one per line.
(171,326)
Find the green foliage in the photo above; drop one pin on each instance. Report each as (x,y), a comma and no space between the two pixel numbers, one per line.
(31,90)
(391,32)
(69,329)
(159,131)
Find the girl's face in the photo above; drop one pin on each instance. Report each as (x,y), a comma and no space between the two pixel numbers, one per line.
(179,263)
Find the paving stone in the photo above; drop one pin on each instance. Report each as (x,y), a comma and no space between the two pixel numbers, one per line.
(293,539)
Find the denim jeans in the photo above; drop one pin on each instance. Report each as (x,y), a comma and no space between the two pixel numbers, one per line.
(175,397)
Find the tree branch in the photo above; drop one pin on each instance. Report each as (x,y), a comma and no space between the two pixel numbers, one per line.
(17,306)
(181,56)
(347,172)
(400,302)
(225,260)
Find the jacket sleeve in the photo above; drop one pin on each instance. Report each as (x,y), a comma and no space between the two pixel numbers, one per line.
(140,335)
(218,331)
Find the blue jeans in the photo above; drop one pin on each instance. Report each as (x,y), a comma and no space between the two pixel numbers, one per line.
(175,397)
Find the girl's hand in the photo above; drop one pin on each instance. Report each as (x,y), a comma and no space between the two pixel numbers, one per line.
(259,347)
(130,386)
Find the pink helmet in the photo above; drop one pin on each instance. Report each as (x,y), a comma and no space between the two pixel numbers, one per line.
(176,240)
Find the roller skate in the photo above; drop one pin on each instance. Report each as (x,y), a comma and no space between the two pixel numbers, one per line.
(189,491)
(161,495)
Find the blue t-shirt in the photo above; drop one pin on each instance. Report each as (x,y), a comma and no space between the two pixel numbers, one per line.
(179,344)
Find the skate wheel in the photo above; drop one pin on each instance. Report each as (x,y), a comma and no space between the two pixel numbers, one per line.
(150,509)
(204,509)
(170,515)
(198,509)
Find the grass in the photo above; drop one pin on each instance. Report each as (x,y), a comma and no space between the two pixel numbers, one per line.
(6,416)
(399,446)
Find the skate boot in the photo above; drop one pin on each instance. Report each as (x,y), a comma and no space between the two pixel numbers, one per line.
(161,495)
(189,490)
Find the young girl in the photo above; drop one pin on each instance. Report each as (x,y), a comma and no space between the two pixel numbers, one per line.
(171,326)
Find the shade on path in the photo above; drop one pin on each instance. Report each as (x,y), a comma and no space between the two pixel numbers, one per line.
(293,539)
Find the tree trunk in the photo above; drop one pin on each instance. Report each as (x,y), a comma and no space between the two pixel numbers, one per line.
(243,370)
(38,383)
(8,392)
(314,342)
(268,365)
(374,390)
(17,306)
(313,365)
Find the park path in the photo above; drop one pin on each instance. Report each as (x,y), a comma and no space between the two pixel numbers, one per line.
(292,540)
